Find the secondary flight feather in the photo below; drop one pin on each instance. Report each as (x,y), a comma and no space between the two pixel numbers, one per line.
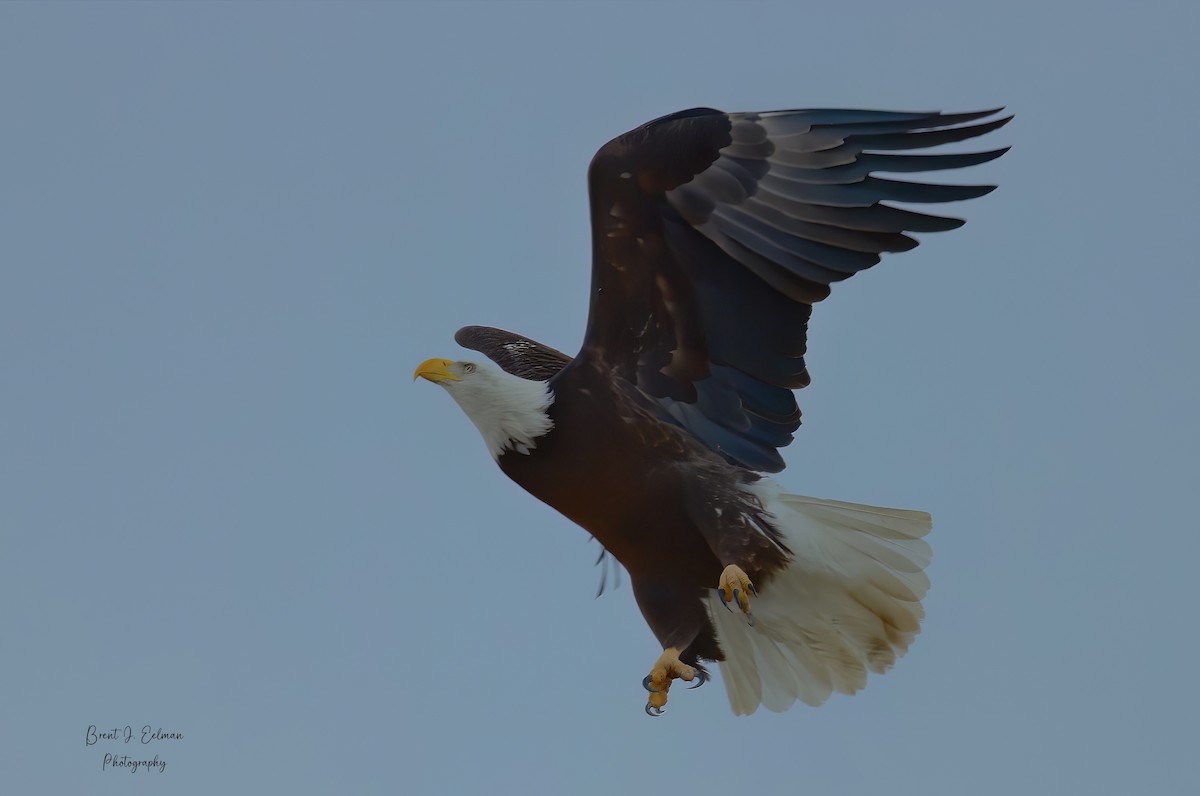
(713,234)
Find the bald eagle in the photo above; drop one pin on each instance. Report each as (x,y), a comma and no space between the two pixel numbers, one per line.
(713,234)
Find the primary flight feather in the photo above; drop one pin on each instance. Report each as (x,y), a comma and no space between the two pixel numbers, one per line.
(713,234)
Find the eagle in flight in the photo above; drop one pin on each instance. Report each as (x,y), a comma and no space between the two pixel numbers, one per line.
(713,234)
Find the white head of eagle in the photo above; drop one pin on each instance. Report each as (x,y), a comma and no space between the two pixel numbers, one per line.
(510,412)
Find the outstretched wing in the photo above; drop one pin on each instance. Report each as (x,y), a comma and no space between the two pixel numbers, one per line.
(518,355)
(714,233)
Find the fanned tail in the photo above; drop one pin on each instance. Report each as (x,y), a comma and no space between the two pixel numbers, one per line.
(848,604)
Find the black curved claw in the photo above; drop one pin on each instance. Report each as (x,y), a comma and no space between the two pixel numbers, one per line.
(652,711)
(701,678)
(646,685)
(724,601)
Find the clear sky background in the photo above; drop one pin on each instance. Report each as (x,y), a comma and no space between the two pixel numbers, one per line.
(229,232)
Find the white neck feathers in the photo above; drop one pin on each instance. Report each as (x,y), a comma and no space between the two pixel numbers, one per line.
(510,412)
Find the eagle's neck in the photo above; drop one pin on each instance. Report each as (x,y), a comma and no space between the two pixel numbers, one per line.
(511,413)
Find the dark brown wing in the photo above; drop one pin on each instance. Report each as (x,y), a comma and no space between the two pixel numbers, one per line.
(518,355)
(714,233)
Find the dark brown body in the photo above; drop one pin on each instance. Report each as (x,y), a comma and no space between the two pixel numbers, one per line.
(672,513)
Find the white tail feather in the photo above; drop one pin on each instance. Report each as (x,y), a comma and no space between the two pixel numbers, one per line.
(848,604)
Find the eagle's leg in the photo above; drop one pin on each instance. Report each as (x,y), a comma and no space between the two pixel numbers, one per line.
(667,669)
(735,587)
(677,612)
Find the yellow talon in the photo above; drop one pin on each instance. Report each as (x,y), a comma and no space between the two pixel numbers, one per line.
(736,587)
(658,682)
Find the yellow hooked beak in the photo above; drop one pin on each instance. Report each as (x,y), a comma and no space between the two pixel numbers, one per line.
(435,370)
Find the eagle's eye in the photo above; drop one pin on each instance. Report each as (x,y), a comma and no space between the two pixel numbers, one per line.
(468,367)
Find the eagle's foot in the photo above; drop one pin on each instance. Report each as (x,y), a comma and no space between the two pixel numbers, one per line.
(667,669)
(735,587)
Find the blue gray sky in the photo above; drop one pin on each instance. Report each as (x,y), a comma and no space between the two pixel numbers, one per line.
(229,232)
